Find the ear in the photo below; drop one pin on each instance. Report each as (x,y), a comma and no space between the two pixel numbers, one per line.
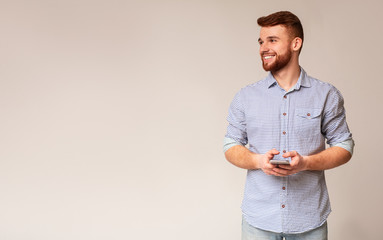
(296,44)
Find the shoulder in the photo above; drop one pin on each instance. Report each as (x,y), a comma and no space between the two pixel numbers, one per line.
(324,87)
(260,85)
(327,93)
(249,93)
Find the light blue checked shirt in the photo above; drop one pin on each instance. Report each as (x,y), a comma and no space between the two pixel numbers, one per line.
(265,116)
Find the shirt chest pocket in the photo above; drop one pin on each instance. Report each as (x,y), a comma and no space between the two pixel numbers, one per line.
(307,121)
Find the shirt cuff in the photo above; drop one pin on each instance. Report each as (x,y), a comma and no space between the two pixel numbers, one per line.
(228,143)
(348,145)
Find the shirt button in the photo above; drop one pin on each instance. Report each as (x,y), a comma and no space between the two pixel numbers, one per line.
(284,151)
(283,188)
(285,97)
(284,133)
(283,206)
(308,114)
(284,114)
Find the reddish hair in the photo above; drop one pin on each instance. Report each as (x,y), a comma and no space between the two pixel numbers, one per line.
(286,19)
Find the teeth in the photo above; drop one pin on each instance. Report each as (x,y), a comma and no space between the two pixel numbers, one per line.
(268,57)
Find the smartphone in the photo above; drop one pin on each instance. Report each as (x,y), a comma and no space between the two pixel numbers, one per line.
(280,161)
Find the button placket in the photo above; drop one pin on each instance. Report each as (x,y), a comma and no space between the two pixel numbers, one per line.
(283,149)
(284,124)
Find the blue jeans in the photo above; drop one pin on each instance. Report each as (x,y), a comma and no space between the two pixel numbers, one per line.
(251,233)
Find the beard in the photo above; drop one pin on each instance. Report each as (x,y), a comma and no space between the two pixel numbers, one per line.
(280,62)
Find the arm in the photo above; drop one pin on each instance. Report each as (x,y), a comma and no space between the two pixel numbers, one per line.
(327,159)
(242,157)
(335,129)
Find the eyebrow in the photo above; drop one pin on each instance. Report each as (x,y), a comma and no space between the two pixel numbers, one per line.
(269,37)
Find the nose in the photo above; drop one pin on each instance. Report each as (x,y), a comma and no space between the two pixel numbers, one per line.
(263,48)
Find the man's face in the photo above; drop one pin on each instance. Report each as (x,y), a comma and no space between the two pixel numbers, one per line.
(275,47)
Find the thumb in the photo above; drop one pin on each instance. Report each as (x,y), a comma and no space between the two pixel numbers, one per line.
(273,152)
(290,154)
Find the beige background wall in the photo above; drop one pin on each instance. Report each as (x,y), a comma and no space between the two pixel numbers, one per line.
(112,114)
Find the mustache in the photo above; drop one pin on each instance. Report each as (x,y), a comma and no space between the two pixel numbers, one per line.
(267,53)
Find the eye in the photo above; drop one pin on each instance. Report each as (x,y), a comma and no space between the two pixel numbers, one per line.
(260,42)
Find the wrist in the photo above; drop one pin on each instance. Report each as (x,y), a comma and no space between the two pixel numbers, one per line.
(306,161)
(256,159)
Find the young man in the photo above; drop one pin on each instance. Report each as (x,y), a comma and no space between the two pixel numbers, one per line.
(286,116)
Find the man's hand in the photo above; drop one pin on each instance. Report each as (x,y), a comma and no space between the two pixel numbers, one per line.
(265,165)
(332,157)
(298,163)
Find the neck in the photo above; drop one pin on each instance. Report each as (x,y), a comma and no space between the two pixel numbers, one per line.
(288,76)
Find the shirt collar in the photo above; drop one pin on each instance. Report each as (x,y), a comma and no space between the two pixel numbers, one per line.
(303,80)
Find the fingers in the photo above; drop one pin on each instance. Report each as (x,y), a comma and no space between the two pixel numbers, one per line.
(285,166)
(280,172)
(295,157)
(290,154)
(274,151)
(270,154)
(274,173)
(268,166)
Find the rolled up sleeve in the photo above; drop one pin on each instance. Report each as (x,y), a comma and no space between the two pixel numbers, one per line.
(228,143)
(236,129)
(348,145)
(334,125)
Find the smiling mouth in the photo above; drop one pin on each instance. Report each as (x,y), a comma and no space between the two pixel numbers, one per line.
(267,57)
